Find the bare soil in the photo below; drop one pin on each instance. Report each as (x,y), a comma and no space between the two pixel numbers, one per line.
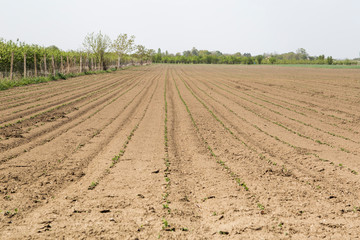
(183,152)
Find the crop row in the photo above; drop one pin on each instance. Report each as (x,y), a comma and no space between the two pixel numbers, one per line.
(237,178)
(166,202)
(117,158)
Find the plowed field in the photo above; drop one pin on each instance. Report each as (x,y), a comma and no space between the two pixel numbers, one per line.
(183,152)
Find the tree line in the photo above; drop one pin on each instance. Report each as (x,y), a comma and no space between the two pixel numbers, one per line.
(195,56)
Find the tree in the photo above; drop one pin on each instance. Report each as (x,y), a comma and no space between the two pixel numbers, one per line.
(217,53)
(141,52)
(301,52)
(248,60)
(329,60)
(157,57)
(123,45)
(97,44)
(194,52)
(204,53)
(150,53)
(272,60)
(259,58)
(53,48)
(186,53)
(321,57)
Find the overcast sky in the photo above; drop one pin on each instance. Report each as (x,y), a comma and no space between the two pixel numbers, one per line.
(330,27)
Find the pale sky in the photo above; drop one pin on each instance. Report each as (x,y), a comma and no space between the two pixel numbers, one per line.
(330,27)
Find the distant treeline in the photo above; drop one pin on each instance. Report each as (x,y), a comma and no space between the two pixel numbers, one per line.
(195,56)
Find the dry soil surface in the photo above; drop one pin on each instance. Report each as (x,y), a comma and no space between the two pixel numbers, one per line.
(183,152)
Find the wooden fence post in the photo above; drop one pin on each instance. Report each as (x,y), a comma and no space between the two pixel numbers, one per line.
(92,64)
(35,65)
(53,65)
(11,65)
(68,64)
(87,62)
(45,69)
(25,65)
(62,65)
(80,68)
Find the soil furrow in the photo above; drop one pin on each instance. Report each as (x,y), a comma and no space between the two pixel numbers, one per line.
(60,102)
(34,102)
(70,114)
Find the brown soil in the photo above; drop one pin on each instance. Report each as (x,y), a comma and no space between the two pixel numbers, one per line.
(183,152)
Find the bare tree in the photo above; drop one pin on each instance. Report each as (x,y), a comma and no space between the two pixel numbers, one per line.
(97,44)
(123,45)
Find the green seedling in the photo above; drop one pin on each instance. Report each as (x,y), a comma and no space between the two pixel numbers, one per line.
(165,223)
(93,185)
(261,207)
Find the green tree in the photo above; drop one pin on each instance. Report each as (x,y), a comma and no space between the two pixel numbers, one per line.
(186,53)
(272,60)
(194,52)
(329,60)
(301,52)
(141,53)
(259,59)
(123,45)
(97,44)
